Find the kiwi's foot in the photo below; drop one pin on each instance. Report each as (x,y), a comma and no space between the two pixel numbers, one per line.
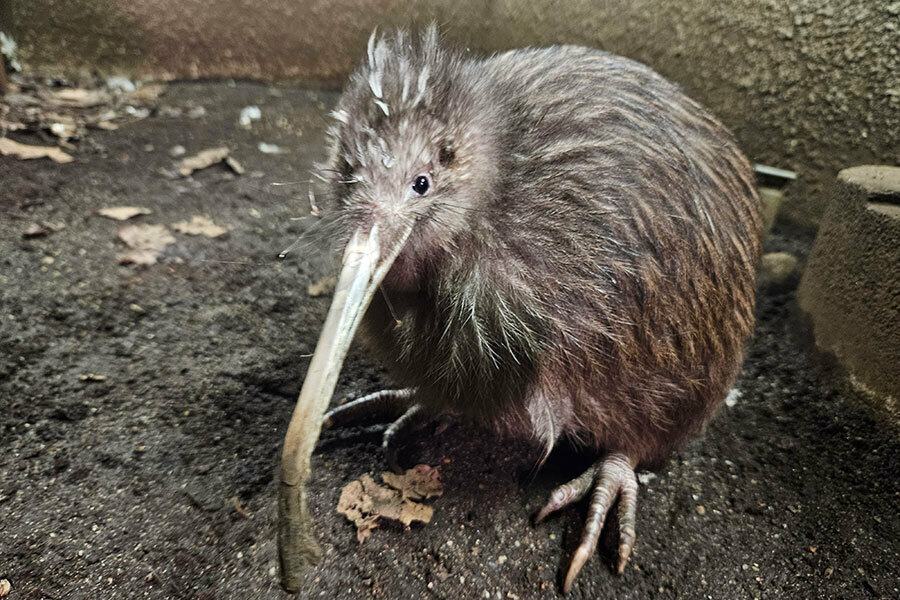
(609,478)
(397,406)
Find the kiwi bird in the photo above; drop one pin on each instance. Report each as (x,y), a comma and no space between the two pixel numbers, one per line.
(565,247)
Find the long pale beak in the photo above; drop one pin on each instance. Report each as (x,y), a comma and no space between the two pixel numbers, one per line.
(367,259)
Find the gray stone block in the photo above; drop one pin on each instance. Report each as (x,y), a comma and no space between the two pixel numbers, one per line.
(851,285)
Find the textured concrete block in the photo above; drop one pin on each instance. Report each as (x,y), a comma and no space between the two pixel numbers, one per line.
(851,286)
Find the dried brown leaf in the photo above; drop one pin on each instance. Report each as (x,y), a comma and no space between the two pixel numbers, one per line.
(11,125)
(64,130)
(422,482)
(63,126)
(147,92)
(368,504)
(78,97)
(92,377)
(201,160)
(323,286)
(235,165)
(200,226)
(147,242)
(10,147)
(123,213)
(42,228)
(105,125)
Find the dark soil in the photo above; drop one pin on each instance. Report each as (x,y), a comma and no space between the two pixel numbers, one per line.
(126,488)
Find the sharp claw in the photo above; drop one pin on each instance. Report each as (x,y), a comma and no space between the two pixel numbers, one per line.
(581,556)
(542,514)
(626,543)
(390,456)
(609,478)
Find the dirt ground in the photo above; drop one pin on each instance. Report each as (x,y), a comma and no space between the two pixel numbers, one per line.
(126,488)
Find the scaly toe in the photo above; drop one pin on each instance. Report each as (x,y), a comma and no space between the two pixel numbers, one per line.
(567,494)
(385,405)
(616,479)
(393,435)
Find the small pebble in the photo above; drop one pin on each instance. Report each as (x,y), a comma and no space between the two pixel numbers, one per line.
(248,115)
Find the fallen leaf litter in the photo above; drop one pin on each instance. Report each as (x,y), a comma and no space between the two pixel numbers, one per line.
(207,158)
(200,226)
(146,243)
(123,213)
(368,505)
(42,228)
(10,147)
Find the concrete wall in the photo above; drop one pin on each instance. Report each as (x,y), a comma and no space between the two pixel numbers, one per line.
(812,85)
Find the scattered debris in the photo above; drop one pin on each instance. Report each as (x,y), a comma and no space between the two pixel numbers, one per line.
(15,98)
(37,105)
(774,172)
(137,113)
(368,504)
(176,151)
(123,213)
(8,125)
(270,148)
(5,587)
(240,509)
(120,84)
(248,115)
(207,158)
(200,226)
(147,93)
(64,127)
(196,112)
(8,50)
(422,482)
(78,98)
(235,165)
(323,286)
(136,308)
(778,271)
(646,477)
(10,147)
(105,125)
(92,377)
(732,398)
(42,228)
(147,242)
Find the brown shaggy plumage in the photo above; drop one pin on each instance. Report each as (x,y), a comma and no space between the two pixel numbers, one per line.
(583,264)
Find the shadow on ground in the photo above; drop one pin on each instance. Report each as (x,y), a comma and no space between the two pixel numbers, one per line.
(159,481)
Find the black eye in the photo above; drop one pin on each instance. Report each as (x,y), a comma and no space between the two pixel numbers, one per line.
(421,185)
